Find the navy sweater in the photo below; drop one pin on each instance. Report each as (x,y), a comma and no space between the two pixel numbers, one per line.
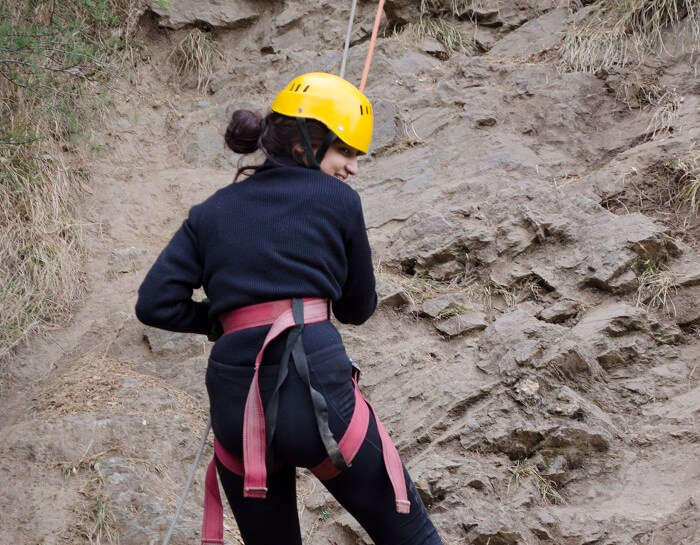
(283,232)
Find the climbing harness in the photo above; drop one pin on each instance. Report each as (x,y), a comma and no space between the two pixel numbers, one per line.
(259,425)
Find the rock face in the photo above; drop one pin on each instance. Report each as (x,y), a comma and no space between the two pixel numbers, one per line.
(534,37)
(214,13)
(167,343)
(534,354)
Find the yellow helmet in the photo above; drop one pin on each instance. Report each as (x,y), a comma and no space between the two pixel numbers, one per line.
(336,103)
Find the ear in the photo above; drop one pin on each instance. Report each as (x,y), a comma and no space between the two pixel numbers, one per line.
(298,154)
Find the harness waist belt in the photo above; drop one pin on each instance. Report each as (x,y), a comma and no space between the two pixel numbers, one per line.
(283,315)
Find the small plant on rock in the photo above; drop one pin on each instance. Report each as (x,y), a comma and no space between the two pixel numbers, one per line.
(195,55)
(445,31)
(687,167)
(589,48)
(614,30)
(526,469)
(458,8)
(665,112)
(657,284)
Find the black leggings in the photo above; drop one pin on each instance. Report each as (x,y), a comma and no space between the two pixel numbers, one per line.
(363,489)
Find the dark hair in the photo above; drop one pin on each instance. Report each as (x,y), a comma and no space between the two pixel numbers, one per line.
(276,135)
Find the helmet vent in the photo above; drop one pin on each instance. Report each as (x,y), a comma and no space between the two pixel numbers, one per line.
(297,87)
(361,112)
(306,88)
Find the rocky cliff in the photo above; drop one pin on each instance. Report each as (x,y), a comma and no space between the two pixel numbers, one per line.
(536,348)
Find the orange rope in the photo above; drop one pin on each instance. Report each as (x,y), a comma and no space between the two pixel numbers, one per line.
(372,41)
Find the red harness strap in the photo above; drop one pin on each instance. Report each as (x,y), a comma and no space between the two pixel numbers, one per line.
(280,314)
(253,467)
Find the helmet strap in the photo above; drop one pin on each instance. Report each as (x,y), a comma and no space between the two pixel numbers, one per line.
(306,140)
(314,160)
(323,148)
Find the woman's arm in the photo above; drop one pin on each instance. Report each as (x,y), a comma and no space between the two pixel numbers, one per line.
(165,296)
(359,298)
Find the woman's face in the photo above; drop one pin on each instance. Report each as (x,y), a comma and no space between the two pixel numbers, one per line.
(340,160)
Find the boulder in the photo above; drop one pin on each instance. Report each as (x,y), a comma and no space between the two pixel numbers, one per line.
(215,13)
(619,334)
(560,311)
(685,306)
(686,269)
(463,322)
(447,303)
(390,294)
(534,37)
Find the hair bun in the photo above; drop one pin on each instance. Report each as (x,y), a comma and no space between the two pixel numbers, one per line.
(243,131)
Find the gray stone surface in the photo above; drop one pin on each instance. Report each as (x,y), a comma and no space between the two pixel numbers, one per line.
(560,311)
(168,344)
(390,294)
(464,322)
(217,13)
(534,37)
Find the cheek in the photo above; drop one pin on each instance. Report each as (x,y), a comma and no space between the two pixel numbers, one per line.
(332,161)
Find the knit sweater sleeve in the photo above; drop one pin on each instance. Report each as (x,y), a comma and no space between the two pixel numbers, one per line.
(359,298)
(165,296)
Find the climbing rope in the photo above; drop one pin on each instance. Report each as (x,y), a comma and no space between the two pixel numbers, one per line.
(372,41)
(202,442)
(347,38)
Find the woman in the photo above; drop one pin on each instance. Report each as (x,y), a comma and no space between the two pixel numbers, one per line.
(275,253)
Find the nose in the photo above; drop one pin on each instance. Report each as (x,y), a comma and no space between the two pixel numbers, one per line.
(351,166)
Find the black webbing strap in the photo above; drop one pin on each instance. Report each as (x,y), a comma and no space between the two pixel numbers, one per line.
(327,141)
(317,400)
(272,408)
(306,141)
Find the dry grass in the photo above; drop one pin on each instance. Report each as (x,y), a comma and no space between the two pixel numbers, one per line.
(94,522)
(687,169)
(647,19)
(39,240)
(668,190)
(458,8)
(665,112)
(98,383)
(591,49)
(445,31)
(54,63)
(485,294)
(618,31)
(657,285)
(639,91)
(195,56)
(525,469)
